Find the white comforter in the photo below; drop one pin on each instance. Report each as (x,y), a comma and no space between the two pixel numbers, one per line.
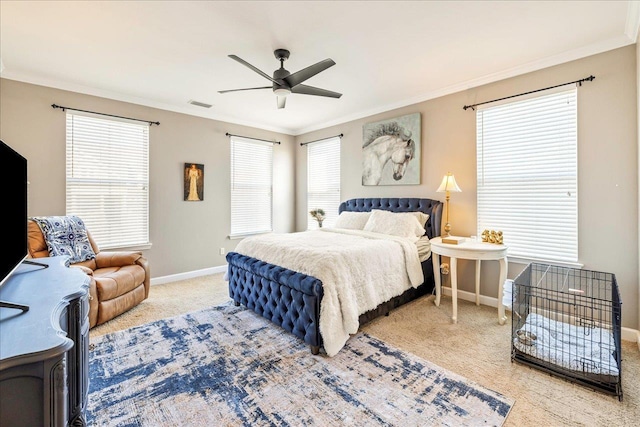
(359,270)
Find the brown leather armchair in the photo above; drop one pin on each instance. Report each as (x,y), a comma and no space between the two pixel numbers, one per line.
(119,280)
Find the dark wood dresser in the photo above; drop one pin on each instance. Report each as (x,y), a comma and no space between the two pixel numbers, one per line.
(44,352)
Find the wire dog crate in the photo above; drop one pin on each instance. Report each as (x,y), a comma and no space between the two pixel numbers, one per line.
(567,322)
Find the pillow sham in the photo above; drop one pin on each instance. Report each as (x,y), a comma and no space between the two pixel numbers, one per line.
(420,216)
(352,220)
(403,224)
(66,235)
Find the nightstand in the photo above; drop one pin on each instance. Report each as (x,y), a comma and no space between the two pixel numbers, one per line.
(472,250)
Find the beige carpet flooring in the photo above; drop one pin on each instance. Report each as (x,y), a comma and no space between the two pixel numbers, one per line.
(476,347)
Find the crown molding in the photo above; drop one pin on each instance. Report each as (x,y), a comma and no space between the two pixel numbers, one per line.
(116,96)
(633,20)
(572,55)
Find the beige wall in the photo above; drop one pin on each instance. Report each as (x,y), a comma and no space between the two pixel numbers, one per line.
(186,236)
(607,158)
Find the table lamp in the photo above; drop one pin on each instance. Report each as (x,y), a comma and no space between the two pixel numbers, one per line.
(447,185)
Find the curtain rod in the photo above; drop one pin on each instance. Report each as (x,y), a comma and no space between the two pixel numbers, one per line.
(322,139)
(257,139)
(578,82)
(104,114)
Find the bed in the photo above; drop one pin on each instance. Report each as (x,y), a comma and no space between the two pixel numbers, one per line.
(294,300)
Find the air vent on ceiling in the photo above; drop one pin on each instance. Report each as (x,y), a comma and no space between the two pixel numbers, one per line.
(200,104)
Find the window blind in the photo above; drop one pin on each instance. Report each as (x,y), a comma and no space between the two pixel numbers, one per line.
(527,175)
(251,186)
(323,180)
(107,179)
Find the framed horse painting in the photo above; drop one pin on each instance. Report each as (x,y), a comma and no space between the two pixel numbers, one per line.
(391,151)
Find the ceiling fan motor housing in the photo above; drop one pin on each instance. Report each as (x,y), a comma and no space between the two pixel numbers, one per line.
(283,88)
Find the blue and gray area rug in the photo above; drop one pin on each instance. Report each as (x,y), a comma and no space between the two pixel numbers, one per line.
(226,366)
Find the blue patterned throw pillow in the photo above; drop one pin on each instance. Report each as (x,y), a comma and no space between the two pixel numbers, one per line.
(66,235)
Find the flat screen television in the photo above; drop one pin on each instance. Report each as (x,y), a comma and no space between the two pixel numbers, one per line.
(13,194)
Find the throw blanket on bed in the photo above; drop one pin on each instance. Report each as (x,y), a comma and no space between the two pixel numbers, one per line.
(359,270)
(578,348)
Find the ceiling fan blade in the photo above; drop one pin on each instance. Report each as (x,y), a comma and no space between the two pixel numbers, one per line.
(310,90)
(281,101)
(306,73)
(249,88)
(246,64)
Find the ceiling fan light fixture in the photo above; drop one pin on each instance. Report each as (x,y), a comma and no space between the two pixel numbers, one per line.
(282,91)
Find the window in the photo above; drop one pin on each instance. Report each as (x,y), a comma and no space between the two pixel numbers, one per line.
(108,179)
(527,176)
(251,186)
(323,180)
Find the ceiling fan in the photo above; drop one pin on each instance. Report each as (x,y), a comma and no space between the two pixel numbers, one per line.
(285,83)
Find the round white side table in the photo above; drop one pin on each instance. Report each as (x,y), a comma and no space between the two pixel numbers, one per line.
(472,250)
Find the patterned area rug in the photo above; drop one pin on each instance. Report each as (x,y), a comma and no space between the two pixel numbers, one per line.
(226,366)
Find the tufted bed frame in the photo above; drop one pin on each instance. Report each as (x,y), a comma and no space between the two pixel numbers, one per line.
(292,300)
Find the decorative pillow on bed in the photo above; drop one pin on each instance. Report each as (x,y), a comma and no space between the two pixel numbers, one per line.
(420,216)
(403,224)
(66,235)
(352,220)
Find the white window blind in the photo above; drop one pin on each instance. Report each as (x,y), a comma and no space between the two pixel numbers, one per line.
(108,179)
(251,186)
(527,175)
(323,180)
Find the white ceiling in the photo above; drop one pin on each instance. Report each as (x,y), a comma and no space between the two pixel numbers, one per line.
(388,54)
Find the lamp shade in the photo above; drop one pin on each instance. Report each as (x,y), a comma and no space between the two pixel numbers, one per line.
(448,184)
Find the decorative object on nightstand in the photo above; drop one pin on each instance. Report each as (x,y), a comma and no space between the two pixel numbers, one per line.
(452,240)
(492,236)
(318,215)
(448,185)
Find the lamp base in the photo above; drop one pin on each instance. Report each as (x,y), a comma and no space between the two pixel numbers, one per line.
(447,230)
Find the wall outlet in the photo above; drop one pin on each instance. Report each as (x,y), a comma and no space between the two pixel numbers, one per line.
(221,251)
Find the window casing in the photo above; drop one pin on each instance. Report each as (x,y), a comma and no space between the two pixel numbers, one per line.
(323,180)
(527,175)
(107,179)
(251,186)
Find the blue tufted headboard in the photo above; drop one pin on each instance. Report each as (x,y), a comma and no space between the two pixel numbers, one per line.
(428,206)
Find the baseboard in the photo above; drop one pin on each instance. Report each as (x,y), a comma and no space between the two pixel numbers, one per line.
(470,296)
(188,275)
(632,335)
(628,334)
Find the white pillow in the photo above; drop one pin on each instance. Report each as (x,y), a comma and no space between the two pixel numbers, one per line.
(352,220)
(420,216)
(403,224)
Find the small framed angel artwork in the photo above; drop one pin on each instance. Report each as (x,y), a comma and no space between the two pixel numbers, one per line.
(193,182)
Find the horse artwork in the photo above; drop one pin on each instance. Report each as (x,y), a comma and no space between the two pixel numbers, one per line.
(391,151)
